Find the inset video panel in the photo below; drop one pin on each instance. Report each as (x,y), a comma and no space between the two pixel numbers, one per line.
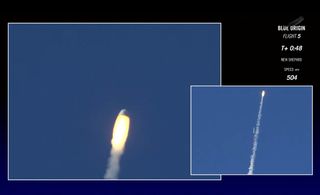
(251,130)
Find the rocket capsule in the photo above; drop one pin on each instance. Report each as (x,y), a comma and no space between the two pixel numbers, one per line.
(120,130)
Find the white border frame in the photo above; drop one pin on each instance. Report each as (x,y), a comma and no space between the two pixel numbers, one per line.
(257,86)
(100,23)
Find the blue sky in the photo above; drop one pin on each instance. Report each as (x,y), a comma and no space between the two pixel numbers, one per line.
(223,119)
(68,83)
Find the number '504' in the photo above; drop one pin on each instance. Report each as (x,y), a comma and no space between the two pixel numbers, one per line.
(292,77)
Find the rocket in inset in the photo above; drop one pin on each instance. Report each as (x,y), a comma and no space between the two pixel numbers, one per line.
(256,131)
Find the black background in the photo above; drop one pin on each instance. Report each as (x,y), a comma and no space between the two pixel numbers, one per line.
(250,56)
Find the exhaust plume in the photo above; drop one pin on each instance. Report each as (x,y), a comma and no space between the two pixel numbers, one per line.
(119,137)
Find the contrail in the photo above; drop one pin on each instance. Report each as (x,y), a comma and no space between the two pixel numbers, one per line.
(256,136)
(114,165)
(119,137)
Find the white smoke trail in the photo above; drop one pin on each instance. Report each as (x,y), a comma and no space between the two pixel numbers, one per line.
(255,137)
(113,164)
